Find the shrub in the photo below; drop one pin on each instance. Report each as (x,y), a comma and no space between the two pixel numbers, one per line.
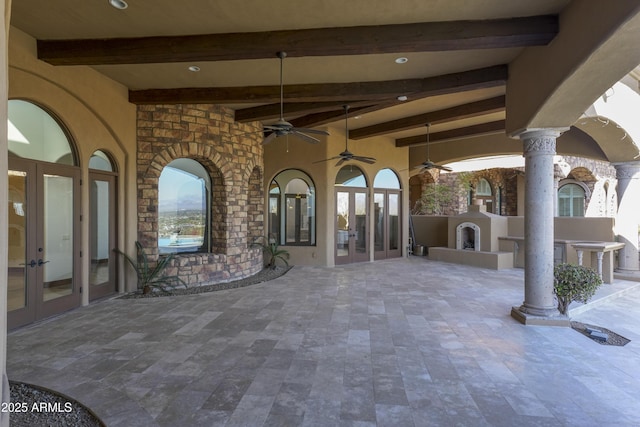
(574,283)
(272,251)
(151,275)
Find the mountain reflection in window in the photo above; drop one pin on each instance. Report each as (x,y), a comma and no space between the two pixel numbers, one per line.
(184,192)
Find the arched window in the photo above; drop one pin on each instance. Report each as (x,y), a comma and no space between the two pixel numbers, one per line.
(34,134)
(184,204)
(100,161)
(351,176)
(484,193)
(571,200)
(483,188)
(292,214)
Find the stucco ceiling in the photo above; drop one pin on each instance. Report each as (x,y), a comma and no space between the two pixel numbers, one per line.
(324,78)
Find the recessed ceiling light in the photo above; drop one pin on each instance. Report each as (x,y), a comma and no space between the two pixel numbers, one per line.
(119,4)
(402,98)
(194,68)
(401,60)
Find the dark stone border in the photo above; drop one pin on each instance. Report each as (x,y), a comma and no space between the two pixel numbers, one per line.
(263,276)
(32,405)
(612,338)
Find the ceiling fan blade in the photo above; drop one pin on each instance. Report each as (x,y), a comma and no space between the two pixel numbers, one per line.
(305,137)
(308,130)
(327,160)
(369,160)
(269,138)
(341,161)
(444,168)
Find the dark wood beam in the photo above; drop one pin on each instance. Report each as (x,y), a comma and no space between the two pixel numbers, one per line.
(364,40)
(464,132)
(328,92)
(473,109)
(291,109)
(318,119)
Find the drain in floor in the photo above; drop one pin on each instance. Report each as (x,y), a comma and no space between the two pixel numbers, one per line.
(599,334)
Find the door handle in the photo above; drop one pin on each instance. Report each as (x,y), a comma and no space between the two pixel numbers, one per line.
(40,262)
(31,264)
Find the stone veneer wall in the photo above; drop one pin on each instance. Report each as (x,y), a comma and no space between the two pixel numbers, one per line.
(232,154)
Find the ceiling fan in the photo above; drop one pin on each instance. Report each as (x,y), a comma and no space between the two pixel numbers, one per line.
(283,127)
(346,155)
(428,164)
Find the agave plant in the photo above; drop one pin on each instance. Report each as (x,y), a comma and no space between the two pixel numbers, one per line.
(151,275)
(272,251)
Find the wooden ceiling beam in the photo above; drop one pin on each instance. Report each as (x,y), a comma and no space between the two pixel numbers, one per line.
(319,119)
(328,92)
(291,109)
(464,132)
(363,40)
(473,109)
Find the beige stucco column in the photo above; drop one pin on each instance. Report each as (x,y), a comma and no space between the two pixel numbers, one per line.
(4,167)
(627,218)
(539,306)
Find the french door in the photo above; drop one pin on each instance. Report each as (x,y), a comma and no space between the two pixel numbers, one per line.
(43,217)
(352,226)
(102,234)
(386,219)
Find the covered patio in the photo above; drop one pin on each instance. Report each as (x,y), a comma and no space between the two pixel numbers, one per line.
(403,342)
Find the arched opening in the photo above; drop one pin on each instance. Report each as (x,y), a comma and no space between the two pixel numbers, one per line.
(292,213)
(387,215)
(103,213)
(43,218)
(352,211)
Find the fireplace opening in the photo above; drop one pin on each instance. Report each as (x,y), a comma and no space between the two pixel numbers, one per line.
(468,237)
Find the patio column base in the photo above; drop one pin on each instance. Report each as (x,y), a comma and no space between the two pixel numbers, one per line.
(553,319)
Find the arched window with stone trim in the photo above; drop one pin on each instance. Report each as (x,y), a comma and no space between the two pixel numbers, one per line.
(184,203)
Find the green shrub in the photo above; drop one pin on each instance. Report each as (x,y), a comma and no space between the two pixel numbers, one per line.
(574,283)
(151,275)
(271,251)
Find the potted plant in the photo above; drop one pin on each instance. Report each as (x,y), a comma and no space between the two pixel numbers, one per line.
(151,276)
(574,283)
(272,251)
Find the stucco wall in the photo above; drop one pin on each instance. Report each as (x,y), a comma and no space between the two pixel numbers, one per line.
(98,116)
(292,153)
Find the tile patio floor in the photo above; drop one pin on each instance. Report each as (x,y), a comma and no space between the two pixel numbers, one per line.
(405,342)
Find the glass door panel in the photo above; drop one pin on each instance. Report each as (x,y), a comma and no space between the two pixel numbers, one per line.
(360,234)
(18,265)
(102,235)
(342,224)
(379,222)
(100,252)
(394,222)
(56,254)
